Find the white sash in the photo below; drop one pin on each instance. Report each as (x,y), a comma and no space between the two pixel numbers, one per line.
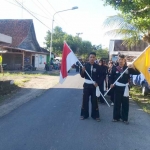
(126,91)
(89,81)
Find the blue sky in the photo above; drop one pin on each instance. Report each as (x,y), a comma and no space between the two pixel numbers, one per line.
(87,19)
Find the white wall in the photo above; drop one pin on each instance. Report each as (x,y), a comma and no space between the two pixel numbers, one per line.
(40,59)
(5,38)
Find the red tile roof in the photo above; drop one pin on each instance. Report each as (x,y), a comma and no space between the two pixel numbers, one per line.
(17,29)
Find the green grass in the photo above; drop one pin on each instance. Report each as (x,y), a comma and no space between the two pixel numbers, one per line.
(142,101)
(21,82)
(27,74)
(8,74)
(20,78)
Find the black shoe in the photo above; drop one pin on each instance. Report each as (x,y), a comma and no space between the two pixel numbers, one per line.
(126,122)
(98,119)
(82,118)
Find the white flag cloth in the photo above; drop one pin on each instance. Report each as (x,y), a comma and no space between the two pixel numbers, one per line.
(68,59)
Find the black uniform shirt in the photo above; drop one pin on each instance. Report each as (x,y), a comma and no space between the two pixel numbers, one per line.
(116,72)
(92,71)
(97,73)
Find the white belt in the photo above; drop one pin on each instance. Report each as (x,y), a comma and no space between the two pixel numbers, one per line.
(89,81)
(98,93)
(126,91)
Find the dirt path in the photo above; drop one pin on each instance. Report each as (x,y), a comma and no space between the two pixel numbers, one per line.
(31,89)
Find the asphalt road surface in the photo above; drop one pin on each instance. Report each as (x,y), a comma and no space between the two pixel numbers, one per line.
(52,122)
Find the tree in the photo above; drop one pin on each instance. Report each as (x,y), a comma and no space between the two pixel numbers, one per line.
(101,52)
(78,46)
(136,14)
(120,27)
(58,39)
(86,48)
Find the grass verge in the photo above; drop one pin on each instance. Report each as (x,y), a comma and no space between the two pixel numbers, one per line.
(142,101)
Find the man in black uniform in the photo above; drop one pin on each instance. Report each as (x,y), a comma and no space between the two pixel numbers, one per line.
(90,88)
(111,92)
(121,90)
(102,86)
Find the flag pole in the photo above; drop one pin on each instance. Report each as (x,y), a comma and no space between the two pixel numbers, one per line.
(126,70)
(116,81)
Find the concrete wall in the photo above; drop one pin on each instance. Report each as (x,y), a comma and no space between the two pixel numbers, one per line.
(40,59)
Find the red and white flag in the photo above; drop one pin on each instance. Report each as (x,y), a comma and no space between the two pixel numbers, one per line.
(68,59)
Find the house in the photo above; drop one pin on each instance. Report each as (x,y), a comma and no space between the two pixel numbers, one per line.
(24,49)
(116,47)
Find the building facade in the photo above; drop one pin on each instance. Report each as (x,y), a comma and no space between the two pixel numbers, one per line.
(24,48)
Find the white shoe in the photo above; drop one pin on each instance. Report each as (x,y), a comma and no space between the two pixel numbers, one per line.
(112,104)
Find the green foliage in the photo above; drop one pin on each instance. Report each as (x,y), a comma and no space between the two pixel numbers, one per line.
(133,22)
(78,46)
(122,28)
(102,53)
(142,101)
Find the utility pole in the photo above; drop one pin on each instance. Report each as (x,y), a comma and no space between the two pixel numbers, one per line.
(78,34)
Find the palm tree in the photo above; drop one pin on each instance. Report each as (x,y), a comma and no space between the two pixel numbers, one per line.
(121,27)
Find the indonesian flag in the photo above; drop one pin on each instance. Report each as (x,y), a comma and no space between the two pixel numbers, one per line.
(68,59)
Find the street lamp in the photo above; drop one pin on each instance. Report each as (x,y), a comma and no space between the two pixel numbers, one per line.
(75,7)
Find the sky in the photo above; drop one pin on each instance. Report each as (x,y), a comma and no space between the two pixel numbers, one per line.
(87,19)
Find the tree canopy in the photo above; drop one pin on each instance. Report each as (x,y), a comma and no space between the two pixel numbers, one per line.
(80,47)
(135,13)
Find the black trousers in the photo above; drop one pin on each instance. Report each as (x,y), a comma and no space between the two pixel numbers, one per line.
(101,87)
(111,93)
(121,105)
(87,92)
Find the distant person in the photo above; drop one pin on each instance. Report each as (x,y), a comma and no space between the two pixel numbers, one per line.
(111,92)
(77,66)
(102,86)
(46,66)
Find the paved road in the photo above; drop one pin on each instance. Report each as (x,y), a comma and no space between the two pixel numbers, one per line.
(51,122)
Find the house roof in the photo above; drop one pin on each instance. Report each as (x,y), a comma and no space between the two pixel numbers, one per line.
(22,33)
(45,50)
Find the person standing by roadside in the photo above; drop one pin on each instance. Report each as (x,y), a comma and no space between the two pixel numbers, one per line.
(121,89)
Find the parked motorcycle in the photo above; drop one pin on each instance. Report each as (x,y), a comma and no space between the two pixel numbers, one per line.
(29,68)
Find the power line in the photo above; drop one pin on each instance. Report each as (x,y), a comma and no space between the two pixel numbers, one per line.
(51,5)
(41,9)
(28,9)
(32,14)
(44,11)
(55,11)
(44,7)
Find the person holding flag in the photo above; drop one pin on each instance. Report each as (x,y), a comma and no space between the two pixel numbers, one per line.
(121,88)
(89,89)
(92,74)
